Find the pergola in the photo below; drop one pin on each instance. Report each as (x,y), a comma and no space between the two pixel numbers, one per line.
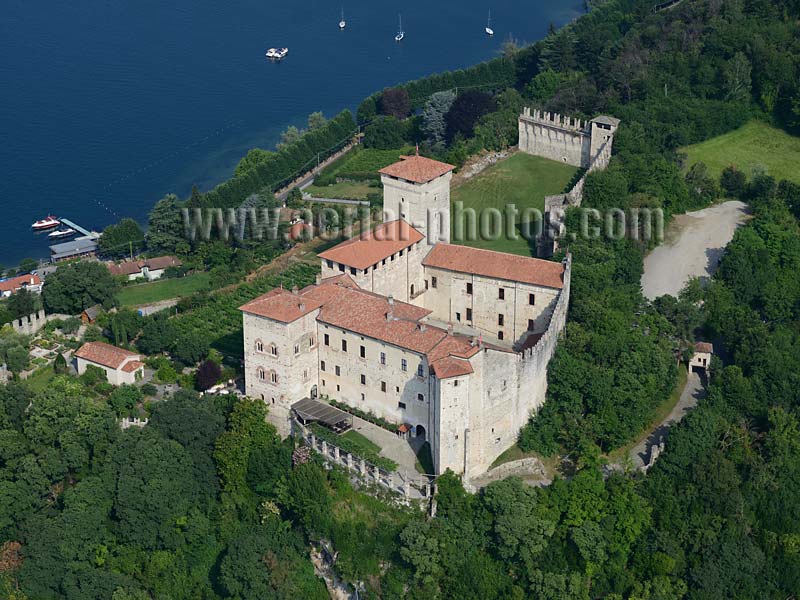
(308,410)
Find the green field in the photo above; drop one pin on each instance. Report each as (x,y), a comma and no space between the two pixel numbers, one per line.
(754,145)
(345,190)
(165,289)
(521,180)
(361,442)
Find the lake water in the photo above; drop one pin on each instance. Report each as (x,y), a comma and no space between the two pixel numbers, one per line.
(107,106)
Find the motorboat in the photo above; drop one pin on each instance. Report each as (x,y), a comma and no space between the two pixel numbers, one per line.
(342,22)
(61,233)
(47,223)
(400,33)
(277,53)
(489,30)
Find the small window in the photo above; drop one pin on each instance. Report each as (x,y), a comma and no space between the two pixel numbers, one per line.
(455,383)
(352,271)
(273,377)
(383,262)
(532,299)
(400,253)
(338,370)
(421,397)
(344,345)
(469,289)
(322,365)
(420,370)
(500,335)
(404,364)
(261,375)
(297,349)
(341,268)
(383,358)
(393,256)
(259,346)
(501,294)
(383,386)
(401,405)
(273,350)
(363,352)
(311,341)
(323,383)
(327,340)
(363,397)
(330,264)
(434,282)
(469,314)
(531,324)
(366,271)
(500,320)
(363,379)
(458,317)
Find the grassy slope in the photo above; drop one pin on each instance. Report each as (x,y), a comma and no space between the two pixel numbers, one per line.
(755,144)
(522,180)
(345,190)
(165,289)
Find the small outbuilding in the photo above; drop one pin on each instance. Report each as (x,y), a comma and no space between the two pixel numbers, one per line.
(89,316)
(703,351)
(121,366)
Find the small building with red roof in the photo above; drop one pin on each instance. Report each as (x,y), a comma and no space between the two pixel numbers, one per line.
(32,283)
(120,366)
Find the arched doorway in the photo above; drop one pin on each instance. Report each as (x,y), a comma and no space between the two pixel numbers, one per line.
(420,433)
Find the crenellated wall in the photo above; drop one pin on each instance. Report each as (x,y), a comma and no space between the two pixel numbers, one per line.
(554,136)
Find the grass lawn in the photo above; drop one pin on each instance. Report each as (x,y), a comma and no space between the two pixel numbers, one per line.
(620,454)
(39,380)
(346,190)
(362,160)
(165,289)
(521,180)
(361,441)
(754,145)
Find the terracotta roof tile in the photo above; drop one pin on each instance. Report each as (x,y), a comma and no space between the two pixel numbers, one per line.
(499,265)
(374,245)
(132,366)
(704,347)
(281,305)
(449,367)
(105,354)
(417,169)
(133,267)
(15,283)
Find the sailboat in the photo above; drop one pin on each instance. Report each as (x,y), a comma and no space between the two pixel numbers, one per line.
(342,23)
(489,30)
(400,33)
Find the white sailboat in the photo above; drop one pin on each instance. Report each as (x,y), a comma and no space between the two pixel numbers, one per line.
(400,33)
(342,23)
(489,30)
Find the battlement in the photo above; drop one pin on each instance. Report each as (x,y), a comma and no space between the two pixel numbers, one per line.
(555,120)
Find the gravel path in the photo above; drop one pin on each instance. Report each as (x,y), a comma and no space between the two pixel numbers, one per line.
(694,244)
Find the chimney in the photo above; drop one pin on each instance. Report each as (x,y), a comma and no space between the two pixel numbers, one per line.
(390,300)
(450,328)
(295,290)
(302,307)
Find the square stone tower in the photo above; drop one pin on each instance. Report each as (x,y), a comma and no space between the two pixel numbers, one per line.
(417,190)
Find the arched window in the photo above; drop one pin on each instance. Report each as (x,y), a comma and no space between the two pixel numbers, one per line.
(259,346)
(273,349)
(273,377)
(262,374)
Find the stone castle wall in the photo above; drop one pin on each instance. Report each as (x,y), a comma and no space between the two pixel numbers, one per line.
(556,137)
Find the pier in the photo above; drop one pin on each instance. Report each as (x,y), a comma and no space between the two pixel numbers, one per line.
(90,234)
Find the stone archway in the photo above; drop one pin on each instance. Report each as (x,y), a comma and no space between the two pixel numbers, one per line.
(420,432)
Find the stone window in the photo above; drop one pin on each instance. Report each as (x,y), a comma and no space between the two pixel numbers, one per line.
(366,271)
(383,262)
(383,386)
(344,345)
(400,253)
(327,340)
(305,374)
(262,375)
(401,405)
(338,370)
(330,264)
(420,370)
(532,299)
(393,256)
(404,364)
(352,271)
(455,383)
(363,352)
(383,358)
(363,379)
(469,314)
(273,349)
(500,319)
(458,317)
(322,365)
(500,335)
(312,341)
(501,294)
(469,289)
(273,377)
(259,346)
(434,282)
(341,268)
(363,397)
(421,397)
(531,324)
(297,348)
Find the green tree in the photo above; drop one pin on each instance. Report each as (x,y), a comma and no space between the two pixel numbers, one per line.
(26,265)
(75,287)
(121,239)
(465,111)
(385,133)
(395,103)
(165,230)
(316,120)
(433,115)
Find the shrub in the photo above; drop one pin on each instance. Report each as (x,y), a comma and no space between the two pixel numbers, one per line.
(148,389)
(207,375)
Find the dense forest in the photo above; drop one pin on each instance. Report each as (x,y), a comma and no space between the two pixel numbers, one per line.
(207,502)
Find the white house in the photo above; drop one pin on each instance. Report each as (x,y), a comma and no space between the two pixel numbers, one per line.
(150,269)
(120,366)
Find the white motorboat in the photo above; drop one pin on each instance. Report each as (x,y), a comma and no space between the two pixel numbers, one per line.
(489,30)
(61,233)
(400,33)
(342,22)
(277,53)
(47,223)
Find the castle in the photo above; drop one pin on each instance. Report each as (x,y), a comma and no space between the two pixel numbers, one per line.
(451,341)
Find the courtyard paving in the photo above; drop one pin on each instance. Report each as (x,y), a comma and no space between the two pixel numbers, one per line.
(392,446)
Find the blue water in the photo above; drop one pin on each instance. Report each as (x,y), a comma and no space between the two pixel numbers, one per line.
(105,106)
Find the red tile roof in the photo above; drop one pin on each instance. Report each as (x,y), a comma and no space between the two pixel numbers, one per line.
(105,354)
(281,305)
(704,347)
(154,264)
(499,265)
(132,366)
(299,231)
(417,169)
(15,283)
(374,245)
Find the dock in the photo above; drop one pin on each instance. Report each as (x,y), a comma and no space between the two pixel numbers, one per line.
(85,232)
